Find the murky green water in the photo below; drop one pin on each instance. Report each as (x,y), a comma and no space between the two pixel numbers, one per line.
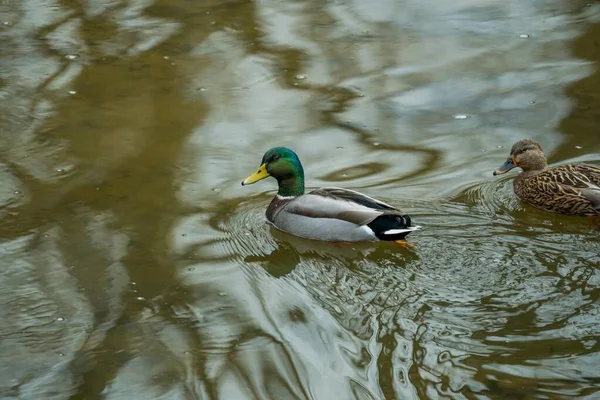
(135,266)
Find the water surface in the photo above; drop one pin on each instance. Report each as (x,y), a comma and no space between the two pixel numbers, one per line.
(134,265)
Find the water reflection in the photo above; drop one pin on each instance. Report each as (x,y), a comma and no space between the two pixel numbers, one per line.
(135,266)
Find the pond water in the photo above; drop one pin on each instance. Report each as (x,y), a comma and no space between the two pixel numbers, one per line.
(135,266)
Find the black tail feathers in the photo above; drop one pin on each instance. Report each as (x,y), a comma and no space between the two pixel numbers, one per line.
(390,222)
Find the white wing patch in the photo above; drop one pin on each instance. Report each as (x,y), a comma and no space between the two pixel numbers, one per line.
(397,231)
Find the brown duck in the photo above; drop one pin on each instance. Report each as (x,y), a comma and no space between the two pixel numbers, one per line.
(566,189)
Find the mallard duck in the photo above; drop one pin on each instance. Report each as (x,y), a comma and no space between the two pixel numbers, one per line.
(328,214)
(566,189)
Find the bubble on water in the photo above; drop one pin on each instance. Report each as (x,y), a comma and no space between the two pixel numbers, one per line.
(72,92)
(524,36)
(60,170)
(60,319)
(344,175)
(72,56)
(499,146)
(140,298)
(578,147)
(61,354)
(187,353)
(532,102)
(17,192)
(166,57)
(300,77)
(460,116)
(339,147)
(191,269)
(133,283)
(202,89)
(216,190)
(376,144)
(6,23)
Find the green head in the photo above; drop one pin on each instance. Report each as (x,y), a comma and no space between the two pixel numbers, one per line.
(282,164)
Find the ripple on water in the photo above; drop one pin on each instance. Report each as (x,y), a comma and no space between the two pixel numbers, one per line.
(231,234)
(452,306)
(240,312)
(493,197)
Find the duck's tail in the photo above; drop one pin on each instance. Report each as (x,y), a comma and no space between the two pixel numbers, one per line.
(392,227)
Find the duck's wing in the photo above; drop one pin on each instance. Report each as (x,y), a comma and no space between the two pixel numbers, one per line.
(592,191)
(353,197)
(581,176)
(574,183)
(591,172)
(593,195)
(343,204)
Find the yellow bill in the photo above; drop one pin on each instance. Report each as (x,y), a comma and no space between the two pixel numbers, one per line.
(260,174)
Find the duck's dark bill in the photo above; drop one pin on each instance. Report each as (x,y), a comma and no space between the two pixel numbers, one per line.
(260,174)
(504,168)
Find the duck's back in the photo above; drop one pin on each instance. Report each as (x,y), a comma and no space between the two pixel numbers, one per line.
(335,214)
(566,189)
(317,216)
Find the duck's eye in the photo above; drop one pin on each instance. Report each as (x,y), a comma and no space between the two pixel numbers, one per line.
(275,158)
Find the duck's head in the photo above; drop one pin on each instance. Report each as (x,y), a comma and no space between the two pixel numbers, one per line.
(526,154)
(284,165)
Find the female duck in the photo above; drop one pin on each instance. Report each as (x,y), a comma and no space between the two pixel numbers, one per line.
(566,189)
(329,214)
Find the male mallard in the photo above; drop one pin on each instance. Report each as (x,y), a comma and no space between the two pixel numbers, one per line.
(329,214)
(566,189)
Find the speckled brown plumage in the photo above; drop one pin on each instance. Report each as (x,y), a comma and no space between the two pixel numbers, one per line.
(562,189)
(566,189)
